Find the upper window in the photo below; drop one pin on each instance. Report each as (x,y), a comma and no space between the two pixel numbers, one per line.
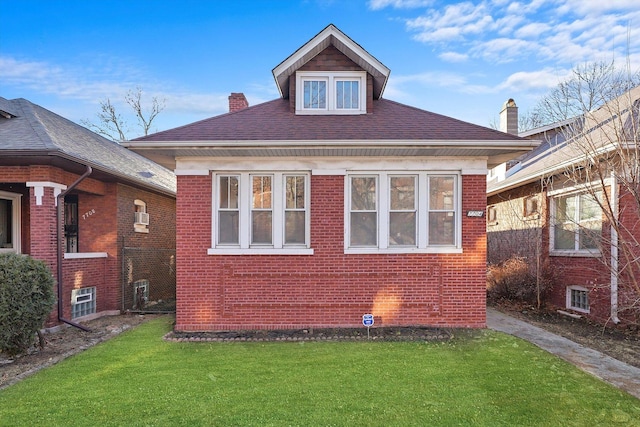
(261,212)
(141,217)
(530,208)
(402,212)
(71,223)
(9,222)
(577,223)
(331,92)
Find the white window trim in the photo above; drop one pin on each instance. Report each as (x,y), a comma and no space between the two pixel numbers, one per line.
(568,298)
(331,78)
(553,198)
(16,202)
(278,247)
(422,226)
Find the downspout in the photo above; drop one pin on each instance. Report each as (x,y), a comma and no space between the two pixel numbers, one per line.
(614,250)
(59,215)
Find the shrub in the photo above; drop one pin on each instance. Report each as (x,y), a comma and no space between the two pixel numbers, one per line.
(26,298)
(515,280)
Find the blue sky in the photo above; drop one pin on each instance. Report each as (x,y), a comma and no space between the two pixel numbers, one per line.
(458,58)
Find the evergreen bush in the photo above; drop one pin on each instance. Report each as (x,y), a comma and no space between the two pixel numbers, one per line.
(26,299)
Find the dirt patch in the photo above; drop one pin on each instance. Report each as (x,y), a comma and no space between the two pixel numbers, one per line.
(620,343)
(63,343)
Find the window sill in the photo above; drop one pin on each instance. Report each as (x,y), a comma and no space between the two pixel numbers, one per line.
(579,310)
(430,250)
(319,112)
(576,254)
(259,251)
(83,255)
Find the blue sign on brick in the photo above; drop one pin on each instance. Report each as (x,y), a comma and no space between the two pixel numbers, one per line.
(367,320)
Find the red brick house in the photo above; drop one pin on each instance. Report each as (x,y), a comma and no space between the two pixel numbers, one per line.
(329,202)
(543,208)
(104,198)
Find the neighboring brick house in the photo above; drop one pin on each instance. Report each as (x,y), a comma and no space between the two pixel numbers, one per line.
(329,203)
(542,208)
(105,196)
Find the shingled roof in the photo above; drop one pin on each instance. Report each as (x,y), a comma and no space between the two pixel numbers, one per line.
(273,121)
(31,134)
(387,129)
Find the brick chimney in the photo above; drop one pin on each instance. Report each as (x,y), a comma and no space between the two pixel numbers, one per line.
(237,102)
(509,117)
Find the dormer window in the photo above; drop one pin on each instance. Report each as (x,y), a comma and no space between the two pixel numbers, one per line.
(331,92)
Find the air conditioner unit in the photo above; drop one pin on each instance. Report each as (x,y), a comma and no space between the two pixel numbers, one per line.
(142,218)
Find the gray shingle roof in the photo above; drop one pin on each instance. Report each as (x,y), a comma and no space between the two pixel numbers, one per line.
(35,130)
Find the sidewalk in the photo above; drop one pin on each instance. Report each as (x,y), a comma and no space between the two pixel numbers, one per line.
(608,369)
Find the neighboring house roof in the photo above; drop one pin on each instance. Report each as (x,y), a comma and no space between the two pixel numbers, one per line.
(603,130)
(30,134)
(331,36)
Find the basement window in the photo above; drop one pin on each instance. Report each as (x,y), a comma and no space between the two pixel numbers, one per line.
(83,302)
(140,293)
(578,298)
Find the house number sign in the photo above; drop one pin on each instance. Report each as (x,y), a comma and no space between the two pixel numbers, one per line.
(88,214)
(475,214)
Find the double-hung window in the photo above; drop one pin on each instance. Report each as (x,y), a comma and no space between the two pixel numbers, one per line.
(261,213)
(577,223)
(9,222)
(402,212)
(331,92)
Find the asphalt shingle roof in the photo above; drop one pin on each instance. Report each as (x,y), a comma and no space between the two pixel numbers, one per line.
(273,121)
(37,131)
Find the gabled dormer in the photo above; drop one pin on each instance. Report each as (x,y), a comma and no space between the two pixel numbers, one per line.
(331,75)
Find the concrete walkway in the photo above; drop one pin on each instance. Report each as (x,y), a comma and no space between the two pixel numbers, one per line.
(619,374)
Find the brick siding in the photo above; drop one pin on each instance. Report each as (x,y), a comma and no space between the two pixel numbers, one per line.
(329,288)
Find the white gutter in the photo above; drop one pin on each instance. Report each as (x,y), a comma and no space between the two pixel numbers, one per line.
(614,251)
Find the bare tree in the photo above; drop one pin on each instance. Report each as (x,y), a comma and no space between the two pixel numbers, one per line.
(588,87)
(111,123)
(602,157)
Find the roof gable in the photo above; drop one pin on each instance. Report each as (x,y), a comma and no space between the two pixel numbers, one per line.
(331,36)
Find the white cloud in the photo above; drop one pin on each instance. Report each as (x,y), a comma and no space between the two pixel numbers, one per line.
(532,30)
(503,50)
(563,31)
(454,23)
(524,81)
(398,4)
(453,57)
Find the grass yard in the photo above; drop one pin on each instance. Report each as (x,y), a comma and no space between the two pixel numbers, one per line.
(483,378)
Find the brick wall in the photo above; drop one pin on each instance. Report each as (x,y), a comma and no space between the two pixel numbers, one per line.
(105,213)
(328,288)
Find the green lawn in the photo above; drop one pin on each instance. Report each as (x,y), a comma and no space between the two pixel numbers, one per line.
(482,378)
